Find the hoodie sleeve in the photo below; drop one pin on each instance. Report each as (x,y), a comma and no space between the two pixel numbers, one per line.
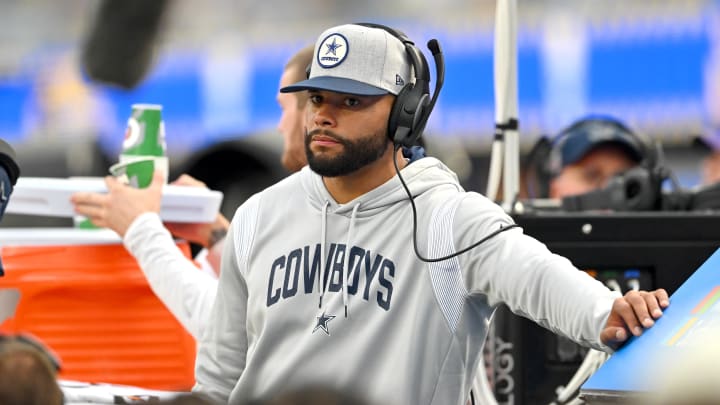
(223,347)
(187,292)
(518,270)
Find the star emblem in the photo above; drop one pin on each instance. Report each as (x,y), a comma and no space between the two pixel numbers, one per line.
(333,47)
(322,322)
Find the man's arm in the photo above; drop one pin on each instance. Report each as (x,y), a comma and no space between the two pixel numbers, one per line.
(521,272)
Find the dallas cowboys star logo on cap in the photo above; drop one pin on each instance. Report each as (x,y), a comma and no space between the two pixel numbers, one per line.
(332,50)
(322,323)
(333,47)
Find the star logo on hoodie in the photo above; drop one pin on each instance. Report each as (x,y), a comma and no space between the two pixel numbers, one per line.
(322,323)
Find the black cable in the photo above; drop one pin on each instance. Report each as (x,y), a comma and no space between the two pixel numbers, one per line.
(414,209)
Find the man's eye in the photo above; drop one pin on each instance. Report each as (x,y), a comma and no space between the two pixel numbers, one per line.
(315,99)
(351,102)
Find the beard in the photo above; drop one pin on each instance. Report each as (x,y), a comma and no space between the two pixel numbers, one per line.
(354,156)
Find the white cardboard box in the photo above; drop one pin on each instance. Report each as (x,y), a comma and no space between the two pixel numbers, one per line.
(51,197)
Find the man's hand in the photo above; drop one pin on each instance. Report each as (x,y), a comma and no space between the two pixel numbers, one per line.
(121,205)
(631,314)
(203,234)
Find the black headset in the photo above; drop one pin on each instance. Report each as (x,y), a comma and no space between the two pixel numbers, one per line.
(413,105)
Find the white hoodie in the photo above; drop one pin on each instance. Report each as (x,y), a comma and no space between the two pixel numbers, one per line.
(414,331)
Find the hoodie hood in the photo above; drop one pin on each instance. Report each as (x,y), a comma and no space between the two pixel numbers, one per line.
(420,176)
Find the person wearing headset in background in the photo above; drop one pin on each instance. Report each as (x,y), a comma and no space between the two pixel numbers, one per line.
(186,292)
(587,154)
(336,276)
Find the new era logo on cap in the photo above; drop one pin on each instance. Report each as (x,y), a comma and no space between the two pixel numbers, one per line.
(356,59)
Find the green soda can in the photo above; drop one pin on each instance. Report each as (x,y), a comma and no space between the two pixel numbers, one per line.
(145,137)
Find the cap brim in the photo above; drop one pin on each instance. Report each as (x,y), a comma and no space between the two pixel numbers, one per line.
(337,85)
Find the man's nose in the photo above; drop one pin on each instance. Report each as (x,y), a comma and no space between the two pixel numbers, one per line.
(324,115)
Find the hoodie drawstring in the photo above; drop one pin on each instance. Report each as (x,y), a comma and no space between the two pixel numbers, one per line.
(346,270)
(321,271)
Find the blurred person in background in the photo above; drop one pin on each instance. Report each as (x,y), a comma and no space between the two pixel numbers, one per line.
(28,375)
(585,156)
(187,292)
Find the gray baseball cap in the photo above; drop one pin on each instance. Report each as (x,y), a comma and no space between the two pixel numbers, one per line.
(356,59)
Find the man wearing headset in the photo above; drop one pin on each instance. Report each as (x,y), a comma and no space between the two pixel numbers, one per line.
(588,153)
(335,277)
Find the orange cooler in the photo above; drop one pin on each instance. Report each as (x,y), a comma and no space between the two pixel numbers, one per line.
(84,296)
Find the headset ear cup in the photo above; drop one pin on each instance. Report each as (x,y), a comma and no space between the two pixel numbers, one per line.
(396,113)
(406,115)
